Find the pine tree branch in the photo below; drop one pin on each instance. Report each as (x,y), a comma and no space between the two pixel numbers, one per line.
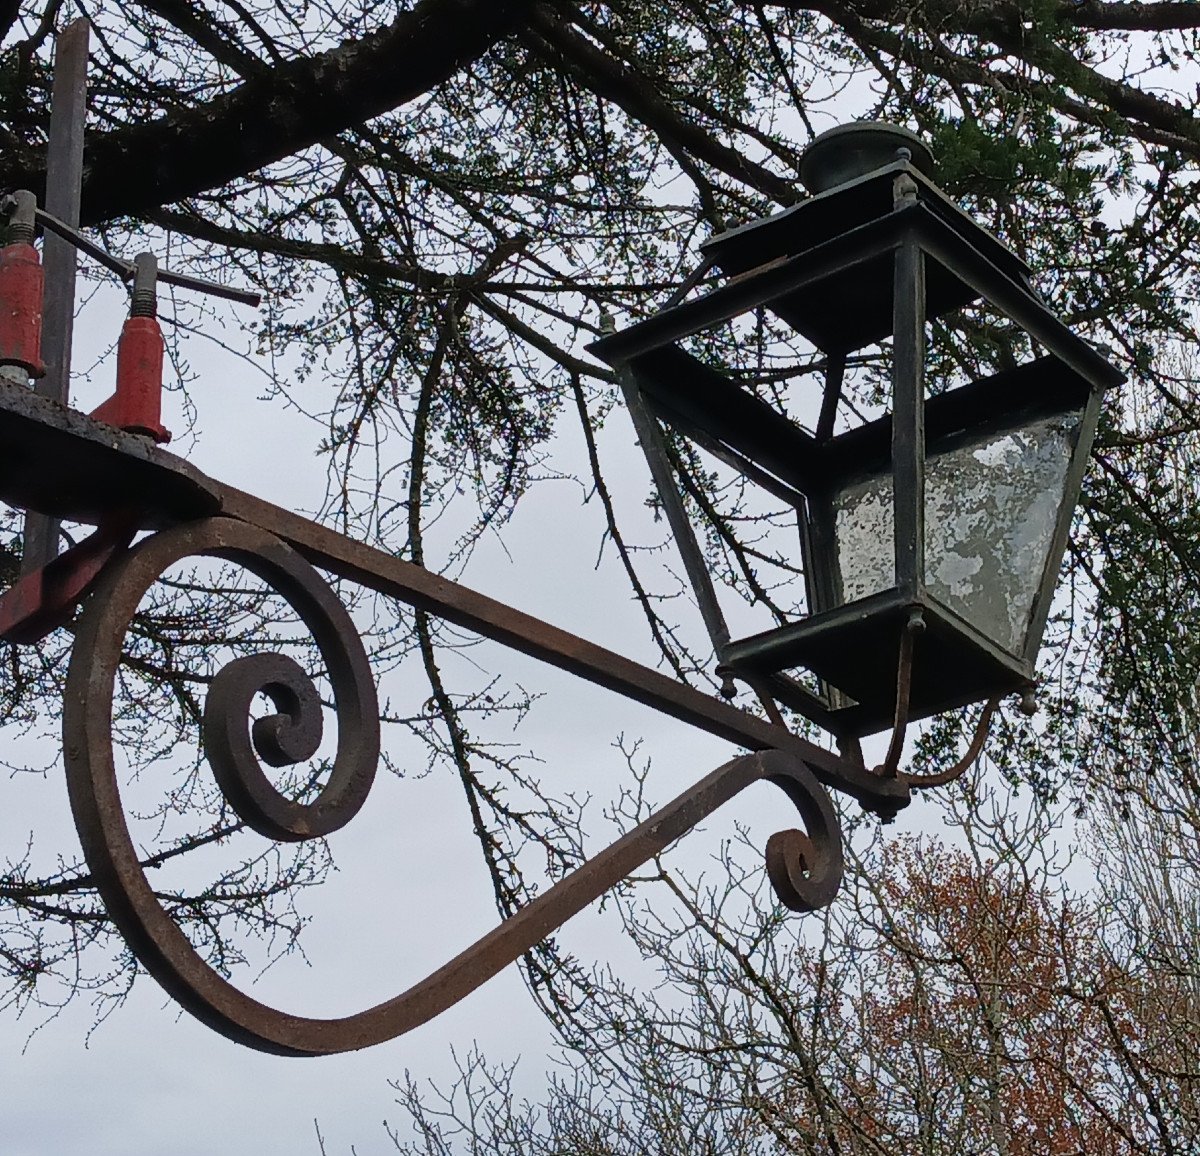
(284,109)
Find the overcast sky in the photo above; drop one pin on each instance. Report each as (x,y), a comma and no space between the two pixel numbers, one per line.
(411,890)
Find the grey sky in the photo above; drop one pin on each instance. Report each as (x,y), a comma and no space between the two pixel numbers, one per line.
(411,889)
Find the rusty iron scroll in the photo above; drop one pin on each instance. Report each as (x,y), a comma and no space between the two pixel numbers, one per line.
(102,474)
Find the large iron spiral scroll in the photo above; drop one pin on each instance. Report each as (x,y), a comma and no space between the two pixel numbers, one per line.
(805,867)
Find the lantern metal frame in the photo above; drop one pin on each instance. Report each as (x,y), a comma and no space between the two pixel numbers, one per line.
(877,256)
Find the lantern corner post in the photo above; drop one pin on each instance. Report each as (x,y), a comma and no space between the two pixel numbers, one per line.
(908,414)
(649,434)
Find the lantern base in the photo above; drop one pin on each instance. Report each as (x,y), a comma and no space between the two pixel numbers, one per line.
(855,648)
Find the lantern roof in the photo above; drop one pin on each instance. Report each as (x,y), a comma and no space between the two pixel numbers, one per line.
(843,207)
(824,267)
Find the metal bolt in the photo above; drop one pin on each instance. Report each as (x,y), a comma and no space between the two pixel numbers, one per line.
(145,286)
(21,207)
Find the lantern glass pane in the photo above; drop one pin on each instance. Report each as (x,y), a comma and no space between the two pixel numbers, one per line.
(991,508)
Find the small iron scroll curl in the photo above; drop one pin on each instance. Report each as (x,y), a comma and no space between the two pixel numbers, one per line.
(805,867)
(293,736)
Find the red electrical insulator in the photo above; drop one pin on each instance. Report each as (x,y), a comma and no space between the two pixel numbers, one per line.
(21,284)
(137,404)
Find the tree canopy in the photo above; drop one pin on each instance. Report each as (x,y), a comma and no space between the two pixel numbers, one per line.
(440,199)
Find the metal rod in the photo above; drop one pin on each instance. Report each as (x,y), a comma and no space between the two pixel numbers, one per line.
(212,288)
(64,177)
(396,578)
(835,372)
(1072,484)
(817,520)
(941,778)
(908,415)
(904,673)
(62,232)
(650,438)
(127,270)
(690,282)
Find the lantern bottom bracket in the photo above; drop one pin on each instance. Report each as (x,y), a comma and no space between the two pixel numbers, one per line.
(856,649)
(890,767)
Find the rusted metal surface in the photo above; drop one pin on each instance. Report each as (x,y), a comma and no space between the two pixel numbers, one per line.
(58,461)
(805,867)
(44,599)
(102,470)
(846,268)
(292,735)
(914,627)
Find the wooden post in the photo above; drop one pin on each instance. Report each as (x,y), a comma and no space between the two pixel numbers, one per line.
(64,179)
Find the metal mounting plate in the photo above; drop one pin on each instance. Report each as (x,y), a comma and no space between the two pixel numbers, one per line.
(60,462)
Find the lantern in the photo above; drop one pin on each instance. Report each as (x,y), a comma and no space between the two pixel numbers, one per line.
(931,535)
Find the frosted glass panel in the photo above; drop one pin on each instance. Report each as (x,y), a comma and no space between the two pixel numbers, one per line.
(990,511)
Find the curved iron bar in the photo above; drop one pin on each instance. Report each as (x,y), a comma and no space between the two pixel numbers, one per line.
(805,867)
(890,767)
(293,735)
(904,668)
(941,778)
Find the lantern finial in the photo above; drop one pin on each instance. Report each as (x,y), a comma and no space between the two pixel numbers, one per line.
(850,151)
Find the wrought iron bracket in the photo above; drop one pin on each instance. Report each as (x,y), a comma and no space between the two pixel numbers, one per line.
(57,463)
(126,484)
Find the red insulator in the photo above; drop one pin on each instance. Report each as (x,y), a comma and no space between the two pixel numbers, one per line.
(21,284)
(137,404)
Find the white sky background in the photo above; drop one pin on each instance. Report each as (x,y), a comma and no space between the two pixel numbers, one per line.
(412,889)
